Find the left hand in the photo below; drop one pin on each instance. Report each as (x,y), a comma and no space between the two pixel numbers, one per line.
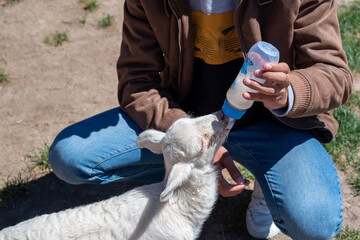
(273,93)
(224,160)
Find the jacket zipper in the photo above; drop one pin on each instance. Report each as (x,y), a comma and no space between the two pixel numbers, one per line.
(179,42)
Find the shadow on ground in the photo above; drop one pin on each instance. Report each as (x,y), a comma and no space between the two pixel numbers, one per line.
(48,194)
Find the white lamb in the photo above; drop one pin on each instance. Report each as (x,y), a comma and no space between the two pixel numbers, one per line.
(173,209)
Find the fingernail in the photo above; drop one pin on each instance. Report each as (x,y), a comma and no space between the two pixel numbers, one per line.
(247,81)
(268,66)
(240,180)
(246,95)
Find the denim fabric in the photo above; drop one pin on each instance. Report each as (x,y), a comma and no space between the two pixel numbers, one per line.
(103,149)
(297,176)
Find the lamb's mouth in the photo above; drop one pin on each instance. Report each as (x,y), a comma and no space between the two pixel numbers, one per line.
(227,122)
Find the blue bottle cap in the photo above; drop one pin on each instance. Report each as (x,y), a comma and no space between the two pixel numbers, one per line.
(232,112)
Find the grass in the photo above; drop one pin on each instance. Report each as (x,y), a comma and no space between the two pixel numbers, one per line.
(57,39)
(3,76)
(83,19)
(344,149)
(41,158)
(346,146)
(19,187)
(90,5)
(348,234)
(246,174)
(15,188)
(106,21)
(349,19)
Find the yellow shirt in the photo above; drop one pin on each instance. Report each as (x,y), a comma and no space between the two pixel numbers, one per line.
(215,37)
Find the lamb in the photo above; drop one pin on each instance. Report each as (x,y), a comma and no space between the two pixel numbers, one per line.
(175,208)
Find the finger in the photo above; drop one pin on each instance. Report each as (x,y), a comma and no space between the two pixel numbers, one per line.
(269,101)
(234,171)
(221,155)
(263,88)
(277,67)
(279,78)
(228,190)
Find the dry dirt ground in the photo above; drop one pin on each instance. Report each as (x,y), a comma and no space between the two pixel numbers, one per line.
(50,88)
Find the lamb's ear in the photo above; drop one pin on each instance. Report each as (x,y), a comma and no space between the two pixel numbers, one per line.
(179,173)
(150,139)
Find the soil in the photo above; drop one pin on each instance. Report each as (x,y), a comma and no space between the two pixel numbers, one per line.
(51,87)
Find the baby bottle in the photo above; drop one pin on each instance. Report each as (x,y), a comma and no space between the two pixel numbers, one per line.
(260,53)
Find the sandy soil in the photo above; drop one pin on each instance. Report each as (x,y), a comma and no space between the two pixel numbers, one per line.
(52,87)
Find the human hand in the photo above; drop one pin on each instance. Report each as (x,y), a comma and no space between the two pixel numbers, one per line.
(224,160)
(273,93)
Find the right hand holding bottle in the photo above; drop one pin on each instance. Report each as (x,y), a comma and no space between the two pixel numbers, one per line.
(274,92)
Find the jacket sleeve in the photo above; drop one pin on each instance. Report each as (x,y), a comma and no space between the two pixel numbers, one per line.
(141,60)
(322,79)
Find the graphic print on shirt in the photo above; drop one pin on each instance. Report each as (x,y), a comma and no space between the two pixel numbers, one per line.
(215,37)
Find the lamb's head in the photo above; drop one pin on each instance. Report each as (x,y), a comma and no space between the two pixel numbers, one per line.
(195,140)
(188,143)
(190,140)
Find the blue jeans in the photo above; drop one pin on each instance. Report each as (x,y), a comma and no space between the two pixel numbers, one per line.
(297,176)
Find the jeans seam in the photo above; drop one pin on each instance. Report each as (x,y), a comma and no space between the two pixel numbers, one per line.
(111,156)
(341,217)
(262,170)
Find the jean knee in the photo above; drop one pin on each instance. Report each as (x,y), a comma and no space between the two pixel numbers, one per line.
(64,160)
(316,222)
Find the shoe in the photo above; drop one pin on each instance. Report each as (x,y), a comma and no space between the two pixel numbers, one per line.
(259,221)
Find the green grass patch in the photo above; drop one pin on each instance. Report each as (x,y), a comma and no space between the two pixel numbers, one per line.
(19,187)
(15,188)
(57,39)
(90,5)
(106,21)
(83,19)
(40,158)
(346,146)
(349,19)
(348,234)
(3,76)
(246,174)
(344,149)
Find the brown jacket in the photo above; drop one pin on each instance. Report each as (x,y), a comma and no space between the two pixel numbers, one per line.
(155,66)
